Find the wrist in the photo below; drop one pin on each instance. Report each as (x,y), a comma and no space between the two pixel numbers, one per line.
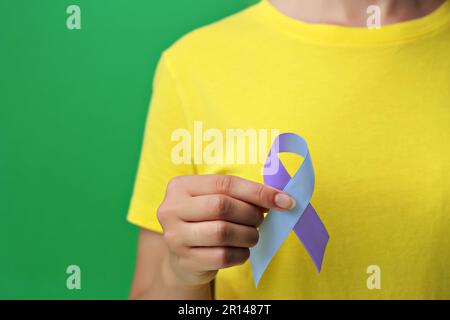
(176,277)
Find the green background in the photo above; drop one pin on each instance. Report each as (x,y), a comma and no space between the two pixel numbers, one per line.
(72,111)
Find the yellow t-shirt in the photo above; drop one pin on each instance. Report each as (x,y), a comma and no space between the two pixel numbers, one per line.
(374,107)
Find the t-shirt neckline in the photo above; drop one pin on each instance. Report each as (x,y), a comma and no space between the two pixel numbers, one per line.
(343,35)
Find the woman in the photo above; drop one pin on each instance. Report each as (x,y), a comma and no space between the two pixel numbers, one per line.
(374,107)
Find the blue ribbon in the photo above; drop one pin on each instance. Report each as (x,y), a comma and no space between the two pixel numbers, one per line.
(303,219)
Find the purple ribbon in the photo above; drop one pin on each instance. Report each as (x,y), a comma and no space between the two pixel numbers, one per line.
(303,219)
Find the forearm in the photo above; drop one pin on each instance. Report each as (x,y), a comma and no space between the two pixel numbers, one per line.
(154,276)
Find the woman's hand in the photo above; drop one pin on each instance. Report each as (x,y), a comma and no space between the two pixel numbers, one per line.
(210,222)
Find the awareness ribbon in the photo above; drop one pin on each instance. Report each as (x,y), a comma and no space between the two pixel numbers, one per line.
(303,219)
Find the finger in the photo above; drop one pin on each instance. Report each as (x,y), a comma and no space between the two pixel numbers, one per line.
(220,207)
(218,234)
(238,188)
(214,258)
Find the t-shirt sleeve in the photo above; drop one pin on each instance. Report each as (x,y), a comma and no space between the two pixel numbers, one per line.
(156,167)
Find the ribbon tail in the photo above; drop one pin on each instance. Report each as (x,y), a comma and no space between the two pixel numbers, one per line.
(272,232)
(312,233)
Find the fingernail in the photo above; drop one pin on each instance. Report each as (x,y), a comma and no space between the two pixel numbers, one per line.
(284,201)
